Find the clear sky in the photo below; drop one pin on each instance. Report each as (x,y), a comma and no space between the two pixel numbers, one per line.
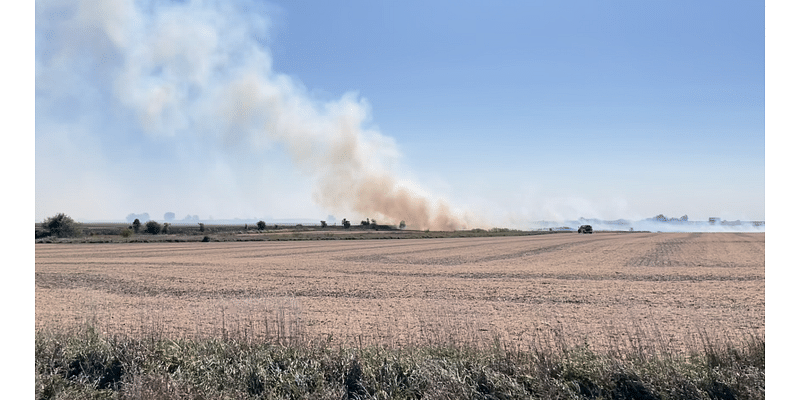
(505,113)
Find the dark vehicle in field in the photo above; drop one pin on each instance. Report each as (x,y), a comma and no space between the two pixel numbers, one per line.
(585,229)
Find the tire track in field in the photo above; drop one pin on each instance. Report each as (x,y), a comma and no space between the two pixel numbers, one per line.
(104,283)
(566,277)
(694,250)
(139,290)
(469,258)
(665,253)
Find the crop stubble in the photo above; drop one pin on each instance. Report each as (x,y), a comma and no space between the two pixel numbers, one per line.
(606,289)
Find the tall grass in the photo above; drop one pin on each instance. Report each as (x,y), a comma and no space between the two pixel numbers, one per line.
(278,360)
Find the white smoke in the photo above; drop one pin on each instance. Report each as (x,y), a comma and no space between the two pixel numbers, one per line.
(197,77)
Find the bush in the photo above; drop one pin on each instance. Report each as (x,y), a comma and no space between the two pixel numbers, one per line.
(402,224)
(127,232)
(152,227)
(165,229)
(261,225)
(61,225)
(87,364)
(136,225)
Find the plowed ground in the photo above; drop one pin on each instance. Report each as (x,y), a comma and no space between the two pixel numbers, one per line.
(605,289)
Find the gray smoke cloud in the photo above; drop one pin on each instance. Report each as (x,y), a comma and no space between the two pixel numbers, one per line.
(197,73)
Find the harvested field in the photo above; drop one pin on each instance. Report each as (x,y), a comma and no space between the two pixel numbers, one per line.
(605,289)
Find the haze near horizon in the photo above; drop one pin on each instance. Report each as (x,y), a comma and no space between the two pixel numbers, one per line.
(447,118)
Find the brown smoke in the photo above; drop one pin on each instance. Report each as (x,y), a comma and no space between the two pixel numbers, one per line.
(352,164)
(381,197)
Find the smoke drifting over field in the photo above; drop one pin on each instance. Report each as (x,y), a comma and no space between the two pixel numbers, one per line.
(197,79)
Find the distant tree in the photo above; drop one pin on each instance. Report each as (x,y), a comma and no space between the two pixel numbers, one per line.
(136,225)
(366,222)
(323,223)
(169,216)
(61,225)
(131,217)
(402,225)
(261,225)
(346,223)
(152,227)
(165,228)
(685,218)
(202,227)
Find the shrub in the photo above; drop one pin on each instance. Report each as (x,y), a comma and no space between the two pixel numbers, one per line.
(402,224)
(152,227)
(136,225)
(261,225)
(61,225)
(165,229)
(127,232)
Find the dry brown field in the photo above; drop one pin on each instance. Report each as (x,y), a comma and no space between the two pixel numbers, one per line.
(605,289)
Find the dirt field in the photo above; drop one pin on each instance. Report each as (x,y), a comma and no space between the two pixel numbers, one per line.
(605,288)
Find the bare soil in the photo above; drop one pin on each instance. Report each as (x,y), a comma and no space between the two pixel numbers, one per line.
(605,289)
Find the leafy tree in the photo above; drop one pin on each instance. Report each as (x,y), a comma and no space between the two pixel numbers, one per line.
(261,225)
(152,227)
(136,225)
(61,225)
(346,223)
(323,223)
(165,229)
(402,224)
(202,226)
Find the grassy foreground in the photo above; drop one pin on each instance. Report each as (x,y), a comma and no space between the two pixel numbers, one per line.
(82,363)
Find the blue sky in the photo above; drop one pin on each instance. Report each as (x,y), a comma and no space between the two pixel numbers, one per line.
(510,113)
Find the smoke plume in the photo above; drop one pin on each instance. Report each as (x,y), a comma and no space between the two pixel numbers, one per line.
(200,72)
